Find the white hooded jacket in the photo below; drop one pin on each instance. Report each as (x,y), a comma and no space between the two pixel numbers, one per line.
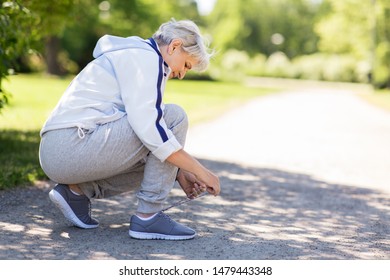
(127,77)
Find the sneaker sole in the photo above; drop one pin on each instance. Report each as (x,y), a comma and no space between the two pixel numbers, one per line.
(60,202)
(158,236)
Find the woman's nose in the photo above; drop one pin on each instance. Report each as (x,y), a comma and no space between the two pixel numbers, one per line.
(182,73)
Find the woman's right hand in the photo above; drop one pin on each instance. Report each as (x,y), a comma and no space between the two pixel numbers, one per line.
(211,181)
(186,162)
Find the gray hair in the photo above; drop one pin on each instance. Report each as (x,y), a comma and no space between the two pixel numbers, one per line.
(193,42)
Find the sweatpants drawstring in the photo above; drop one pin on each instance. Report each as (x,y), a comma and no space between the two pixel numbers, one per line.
(81,132)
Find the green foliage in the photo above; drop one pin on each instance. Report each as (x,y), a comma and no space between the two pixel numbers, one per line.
(142,17)
(256,65)
(309,67)
(360,28)
(240,31)
(23,24)
(318,66)
(278,65)
(250,25)
(53,16)
(381,61)
(330,67)
(346,28)
(230,66)
(16,33)
(95,18)
(382,66)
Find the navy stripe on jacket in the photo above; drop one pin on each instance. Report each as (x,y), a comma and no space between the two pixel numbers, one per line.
(160,129)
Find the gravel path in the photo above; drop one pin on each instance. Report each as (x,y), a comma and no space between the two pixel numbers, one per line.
(329,134)
(304,175)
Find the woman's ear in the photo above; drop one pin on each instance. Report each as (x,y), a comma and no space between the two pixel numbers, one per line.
(175,44)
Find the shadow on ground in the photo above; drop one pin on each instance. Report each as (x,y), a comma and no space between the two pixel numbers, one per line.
(261,214)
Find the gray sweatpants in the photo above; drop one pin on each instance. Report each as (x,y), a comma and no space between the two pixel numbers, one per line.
(111,160)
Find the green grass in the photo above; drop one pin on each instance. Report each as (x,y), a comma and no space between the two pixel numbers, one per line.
(34,96)
(380,98)
(205,100)
(19,162)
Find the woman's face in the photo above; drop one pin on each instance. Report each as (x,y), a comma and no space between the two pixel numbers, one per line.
(178,60)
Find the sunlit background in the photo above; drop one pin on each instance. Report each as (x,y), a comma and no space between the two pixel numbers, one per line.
(331,40)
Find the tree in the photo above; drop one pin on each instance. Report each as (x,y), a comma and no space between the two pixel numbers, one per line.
(120,18)
(53,18)
(381,41)
(76,24)
(360,28)
(265,26)
(23,24)
(16,35)
(346,28)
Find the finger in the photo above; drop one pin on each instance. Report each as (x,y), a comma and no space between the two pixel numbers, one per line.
(194,193)
(197,188)
(200,188)
(212,191)
(200,183)
(191,195)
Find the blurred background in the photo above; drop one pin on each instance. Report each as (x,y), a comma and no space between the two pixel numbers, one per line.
(331,40)
(44,43)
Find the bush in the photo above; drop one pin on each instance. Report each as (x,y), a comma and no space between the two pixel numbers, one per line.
(340,68)
(319,66)
(278,65)
(16,24)
(230,66)
(330,67)
(234,65)
(256,65)
(309,67)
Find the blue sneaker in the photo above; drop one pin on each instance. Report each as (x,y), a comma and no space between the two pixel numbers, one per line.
(76,208)
(161,226)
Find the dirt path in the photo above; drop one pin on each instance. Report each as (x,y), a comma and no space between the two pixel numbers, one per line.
(305,175)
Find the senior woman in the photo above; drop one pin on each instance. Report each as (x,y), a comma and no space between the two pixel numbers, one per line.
(111,132)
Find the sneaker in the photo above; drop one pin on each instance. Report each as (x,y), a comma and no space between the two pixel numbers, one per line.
(161,226)
(76,208)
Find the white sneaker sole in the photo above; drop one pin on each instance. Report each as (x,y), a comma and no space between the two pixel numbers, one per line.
(60,202)
(159,236)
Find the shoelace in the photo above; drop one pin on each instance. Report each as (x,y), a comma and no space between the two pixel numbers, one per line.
(184,201)
(166,217)
(89,210)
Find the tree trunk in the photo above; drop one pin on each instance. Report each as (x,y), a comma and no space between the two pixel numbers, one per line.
(52,49)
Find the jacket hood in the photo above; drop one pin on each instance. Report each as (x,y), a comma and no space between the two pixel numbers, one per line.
(109,43)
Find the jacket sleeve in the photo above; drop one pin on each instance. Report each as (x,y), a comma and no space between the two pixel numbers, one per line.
(140,76)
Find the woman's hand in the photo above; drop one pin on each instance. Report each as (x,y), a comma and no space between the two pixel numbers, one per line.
(211,181)
(190,185)
(197,176)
